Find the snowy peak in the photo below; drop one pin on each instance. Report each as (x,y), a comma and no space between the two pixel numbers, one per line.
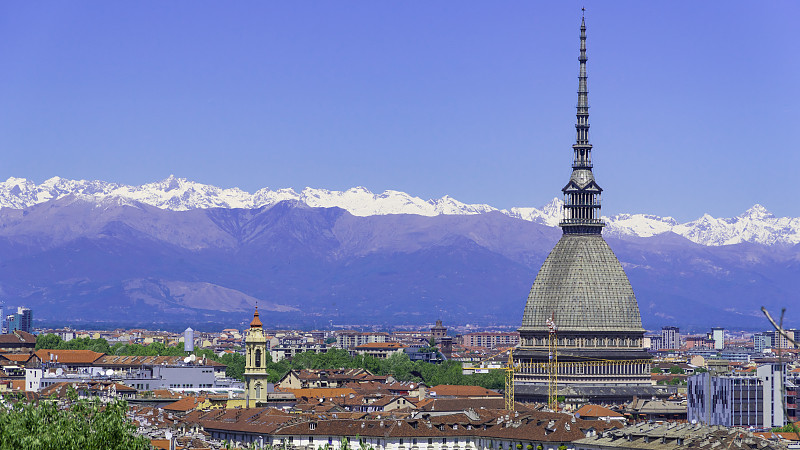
(757,212)
(755,225)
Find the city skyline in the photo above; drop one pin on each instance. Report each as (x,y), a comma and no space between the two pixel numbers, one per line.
(425,99)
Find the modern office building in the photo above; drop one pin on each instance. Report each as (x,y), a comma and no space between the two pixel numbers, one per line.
(21,321)
(718,336)
(488,339)
(762,341)
(765,399)
(348,339)
(671,337)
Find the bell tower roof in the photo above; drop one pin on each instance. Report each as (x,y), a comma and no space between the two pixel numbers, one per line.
(256,322)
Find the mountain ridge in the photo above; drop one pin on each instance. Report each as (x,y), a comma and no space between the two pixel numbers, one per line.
(76,259)
(178,194)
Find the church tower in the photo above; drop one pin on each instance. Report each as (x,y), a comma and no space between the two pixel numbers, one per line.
(255,366)
(581,308)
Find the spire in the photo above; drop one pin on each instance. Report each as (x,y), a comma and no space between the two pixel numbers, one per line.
(256,323)
(582,194)
(582,125)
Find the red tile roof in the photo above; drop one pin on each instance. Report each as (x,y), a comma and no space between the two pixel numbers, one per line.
(591,411)
(17,337)
(184,404)
(449,390)
(69,356)
(17,357)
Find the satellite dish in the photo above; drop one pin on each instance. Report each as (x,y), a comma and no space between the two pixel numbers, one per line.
(168,435)
(110,372)
(59,372)
(187,359)
(193,358)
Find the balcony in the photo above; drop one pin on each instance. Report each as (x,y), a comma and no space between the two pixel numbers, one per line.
(581,222)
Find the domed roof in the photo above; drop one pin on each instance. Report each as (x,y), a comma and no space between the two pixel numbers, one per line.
(582,283)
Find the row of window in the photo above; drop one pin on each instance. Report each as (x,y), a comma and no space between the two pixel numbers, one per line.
(190,385)
(333,440)
(584,342)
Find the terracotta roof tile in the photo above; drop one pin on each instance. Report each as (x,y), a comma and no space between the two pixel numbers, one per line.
(596,411)
(448,390)
(69,356)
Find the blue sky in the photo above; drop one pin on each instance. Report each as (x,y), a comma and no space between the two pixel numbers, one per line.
(694,104)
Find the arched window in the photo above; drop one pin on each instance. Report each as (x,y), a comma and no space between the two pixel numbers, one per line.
(258,357)
(258,390)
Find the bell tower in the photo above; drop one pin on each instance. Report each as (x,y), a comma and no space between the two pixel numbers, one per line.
(255,366)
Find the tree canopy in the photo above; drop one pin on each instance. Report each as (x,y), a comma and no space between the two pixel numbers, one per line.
(80,425)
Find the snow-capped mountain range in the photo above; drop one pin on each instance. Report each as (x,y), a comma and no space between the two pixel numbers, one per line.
(755,225)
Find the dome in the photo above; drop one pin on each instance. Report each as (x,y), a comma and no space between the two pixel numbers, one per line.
(583,285)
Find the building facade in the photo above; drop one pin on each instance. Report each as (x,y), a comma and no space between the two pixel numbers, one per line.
(761,342)
(718,336)
(581,309)
(671,337)
(490,339)
(765,399)
(378,350)
(348,339)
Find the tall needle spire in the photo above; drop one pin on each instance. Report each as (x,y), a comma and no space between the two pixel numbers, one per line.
(582,194)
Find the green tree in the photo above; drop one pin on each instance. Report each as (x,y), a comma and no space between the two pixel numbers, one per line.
(83,424)
(48,341)
(95,345)
(675,370)
(788,428)
(235,363)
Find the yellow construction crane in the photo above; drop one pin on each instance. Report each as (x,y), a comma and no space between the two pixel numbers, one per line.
(552,363)
(509,392)
(509,368)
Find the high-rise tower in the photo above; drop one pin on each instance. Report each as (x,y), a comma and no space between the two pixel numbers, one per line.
(583,291)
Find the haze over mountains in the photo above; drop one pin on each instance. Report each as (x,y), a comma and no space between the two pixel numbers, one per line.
(179,252)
